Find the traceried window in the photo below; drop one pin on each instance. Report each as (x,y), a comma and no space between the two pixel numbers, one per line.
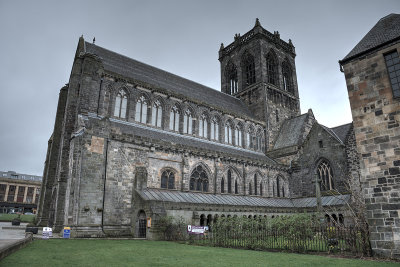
(287,77)
(325,175)
(231,75)
(238,136)
(188,122)
(229,181)
(141,110)
(393,67)
(168,179)
(272,69)
(156,114)
(214,129)
(174,119)
(121,102)
(228,133)
(249,69)
(203,129)
(199,180)
(250,139)
(259,141)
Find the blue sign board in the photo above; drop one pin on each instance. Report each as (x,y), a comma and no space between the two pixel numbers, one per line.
(67,232)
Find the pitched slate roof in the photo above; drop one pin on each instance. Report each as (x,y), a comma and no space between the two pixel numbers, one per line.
(153,194)
(291,132)
(139,71)
(386,30)
(342,131)
(159,135)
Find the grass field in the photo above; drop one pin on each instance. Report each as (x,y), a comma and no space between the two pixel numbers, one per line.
(85,252)
(8,217)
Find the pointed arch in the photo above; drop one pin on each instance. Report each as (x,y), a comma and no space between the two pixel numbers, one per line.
(214,128)
(142,104)
(199,178)
(239,135)
(272,67)
(168,178)
(248,69)
(203,125)
(188,116)
(121,103)
(259,140)
(325,174)
(157,113)
(174,117)
(287,74)
(250,137)
(228,131)
(231,77)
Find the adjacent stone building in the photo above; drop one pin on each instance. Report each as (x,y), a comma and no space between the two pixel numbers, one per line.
(133,142)
(372,72)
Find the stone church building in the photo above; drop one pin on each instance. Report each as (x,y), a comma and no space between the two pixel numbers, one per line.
(133,142)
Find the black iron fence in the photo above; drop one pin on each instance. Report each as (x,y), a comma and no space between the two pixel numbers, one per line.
(324,238)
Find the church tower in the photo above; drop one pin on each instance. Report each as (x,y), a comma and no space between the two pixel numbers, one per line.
(259,68)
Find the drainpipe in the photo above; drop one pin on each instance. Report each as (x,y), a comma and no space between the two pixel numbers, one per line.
(104,187)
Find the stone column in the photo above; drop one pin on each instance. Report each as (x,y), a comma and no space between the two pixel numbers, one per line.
(25,193)
(6,194)
(16,193)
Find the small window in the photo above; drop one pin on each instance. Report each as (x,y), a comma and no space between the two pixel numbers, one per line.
(393,67)
(222,186)
(229,181)
(228,133)
(214,129)
(203,129)
(174,119)
(141,110)
(168,180)
(321,144)
(188,122)
(238,136)
(156,114)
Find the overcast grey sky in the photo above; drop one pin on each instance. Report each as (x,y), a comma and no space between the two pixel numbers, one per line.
(39,38)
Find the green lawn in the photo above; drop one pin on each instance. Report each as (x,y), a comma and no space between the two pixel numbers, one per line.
(90,252)
(8,217)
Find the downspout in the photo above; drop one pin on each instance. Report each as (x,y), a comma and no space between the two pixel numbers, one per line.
(98,100)
(104,187)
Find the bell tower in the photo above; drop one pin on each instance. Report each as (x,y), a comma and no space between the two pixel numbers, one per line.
(259,68)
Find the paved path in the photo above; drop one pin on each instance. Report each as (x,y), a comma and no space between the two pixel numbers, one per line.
(9,236)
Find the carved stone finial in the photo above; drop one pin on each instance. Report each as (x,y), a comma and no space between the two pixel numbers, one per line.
(290,42)
(94,40)
(277,35)
(221,47)
(237,36)
(257,23)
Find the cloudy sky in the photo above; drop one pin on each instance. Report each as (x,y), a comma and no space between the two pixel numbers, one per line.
(39,38)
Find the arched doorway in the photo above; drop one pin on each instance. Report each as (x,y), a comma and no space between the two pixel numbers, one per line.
(141,225)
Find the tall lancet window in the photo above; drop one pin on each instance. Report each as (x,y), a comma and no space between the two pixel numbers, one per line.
(174,119)
(214,129)
(188,122)
(287,77)
(228,133)
(141,110)
(156,114)
(249,69)
(272,69)
(203,129)
(326,176)
(231,75)
(121,102)
(238,136)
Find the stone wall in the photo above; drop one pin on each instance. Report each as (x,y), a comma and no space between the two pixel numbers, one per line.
(376,118)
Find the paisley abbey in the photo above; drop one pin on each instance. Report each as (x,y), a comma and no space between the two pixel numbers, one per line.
(132,142)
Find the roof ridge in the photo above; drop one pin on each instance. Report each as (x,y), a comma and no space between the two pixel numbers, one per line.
(170,73)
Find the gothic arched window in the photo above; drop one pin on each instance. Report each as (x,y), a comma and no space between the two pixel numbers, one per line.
(214,129)
(228,133)
(203,126)
(188,122)
(255,184)
(236,187)
(174,119)
(272,69)
(120,105)
(229,181)
(156,114)
(278,193)
(250,189)
(261,189)
(199,179)
(141,110)
(250,139)
(231,75)
(168,179)
(325,175)
(222,185)
(287,77)
(249,69)
(238,136)
(259,141)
